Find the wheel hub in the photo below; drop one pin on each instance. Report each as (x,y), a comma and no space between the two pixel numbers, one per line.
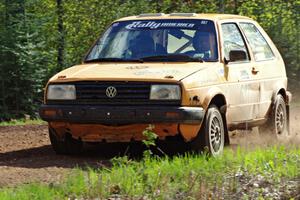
(280,120)
(216,134)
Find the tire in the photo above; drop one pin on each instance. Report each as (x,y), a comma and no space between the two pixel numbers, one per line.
(277,124)
(211,137)
(65,146)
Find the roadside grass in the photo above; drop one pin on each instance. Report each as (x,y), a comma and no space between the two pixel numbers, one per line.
(22,122)
(239,174)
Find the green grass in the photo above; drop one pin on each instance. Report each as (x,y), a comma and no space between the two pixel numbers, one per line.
(19,122)
(186,176)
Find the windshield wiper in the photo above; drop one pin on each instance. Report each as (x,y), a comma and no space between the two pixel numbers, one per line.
(172,58)
(112,60)
(164,58)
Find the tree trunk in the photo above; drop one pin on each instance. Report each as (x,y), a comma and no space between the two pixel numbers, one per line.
(3,77)
(235,6)
(221,6)
(61,35)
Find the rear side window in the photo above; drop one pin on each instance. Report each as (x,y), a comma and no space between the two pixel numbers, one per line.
(232,39)
(259,45)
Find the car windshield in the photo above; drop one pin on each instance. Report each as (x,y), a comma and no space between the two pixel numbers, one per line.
(157,40)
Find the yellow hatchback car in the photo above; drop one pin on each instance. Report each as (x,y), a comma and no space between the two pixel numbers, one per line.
(194,75)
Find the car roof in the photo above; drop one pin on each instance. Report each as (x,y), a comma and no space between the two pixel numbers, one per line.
(208,16)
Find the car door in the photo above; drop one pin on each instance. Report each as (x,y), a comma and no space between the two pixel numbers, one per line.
(267,65)
(242,88)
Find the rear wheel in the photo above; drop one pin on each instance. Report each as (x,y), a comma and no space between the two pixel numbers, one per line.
(211,137)
(66,145)
(277,124)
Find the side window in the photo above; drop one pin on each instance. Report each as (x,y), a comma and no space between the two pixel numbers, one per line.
(259,45)
(232,39)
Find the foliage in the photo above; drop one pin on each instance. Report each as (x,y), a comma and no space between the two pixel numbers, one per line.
(280,19)
(23,54)
(22,122)
(150,139)
(234,175)
(31,43)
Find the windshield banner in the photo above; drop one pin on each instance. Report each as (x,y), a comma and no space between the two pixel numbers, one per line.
(155,25)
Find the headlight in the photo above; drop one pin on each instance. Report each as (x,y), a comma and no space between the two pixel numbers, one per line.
(61,92)
(165,92)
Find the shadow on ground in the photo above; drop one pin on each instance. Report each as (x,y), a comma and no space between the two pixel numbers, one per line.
(96,155)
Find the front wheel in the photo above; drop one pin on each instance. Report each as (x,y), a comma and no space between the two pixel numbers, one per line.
(211,137)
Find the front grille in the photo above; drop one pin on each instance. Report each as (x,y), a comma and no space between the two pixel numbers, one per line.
(128,93)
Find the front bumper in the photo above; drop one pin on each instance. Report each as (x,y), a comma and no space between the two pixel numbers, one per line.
(114,115)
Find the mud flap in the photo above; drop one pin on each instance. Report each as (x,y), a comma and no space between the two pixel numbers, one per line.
(288,100)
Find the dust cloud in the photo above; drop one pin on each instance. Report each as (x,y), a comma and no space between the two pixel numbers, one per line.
(253,138)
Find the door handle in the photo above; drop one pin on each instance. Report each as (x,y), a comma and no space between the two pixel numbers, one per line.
(254,71)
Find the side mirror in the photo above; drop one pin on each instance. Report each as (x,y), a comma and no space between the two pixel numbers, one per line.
(236,55)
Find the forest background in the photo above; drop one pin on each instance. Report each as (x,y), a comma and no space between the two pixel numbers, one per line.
(41,37)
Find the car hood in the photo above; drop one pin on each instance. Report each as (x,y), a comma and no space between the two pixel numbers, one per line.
(165,72)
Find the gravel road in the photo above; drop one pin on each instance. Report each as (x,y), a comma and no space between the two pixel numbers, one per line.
(26,155)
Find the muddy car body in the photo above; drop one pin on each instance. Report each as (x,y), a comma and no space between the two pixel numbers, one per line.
(197,75)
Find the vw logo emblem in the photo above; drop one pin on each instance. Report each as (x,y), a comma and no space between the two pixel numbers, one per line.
(111,92)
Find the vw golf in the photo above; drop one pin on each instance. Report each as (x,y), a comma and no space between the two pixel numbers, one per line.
(194,75)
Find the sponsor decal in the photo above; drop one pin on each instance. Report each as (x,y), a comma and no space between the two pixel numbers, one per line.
(221,71)
(137,67)
(244,75)
(155,25)
(154,72)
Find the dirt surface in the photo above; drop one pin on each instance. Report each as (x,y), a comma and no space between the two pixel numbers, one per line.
(26,155)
